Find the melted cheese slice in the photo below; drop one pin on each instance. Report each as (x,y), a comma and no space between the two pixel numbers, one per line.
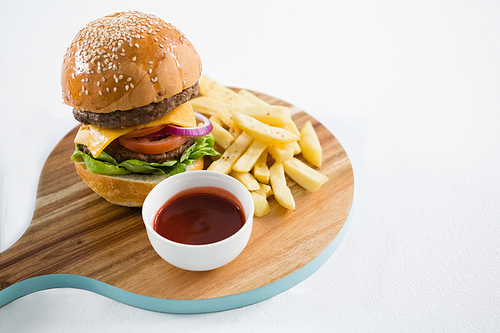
(98,138)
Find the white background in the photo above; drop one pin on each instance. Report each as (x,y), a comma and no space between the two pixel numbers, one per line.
(410,89)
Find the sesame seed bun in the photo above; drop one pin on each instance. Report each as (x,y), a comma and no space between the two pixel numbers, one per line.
(127,60)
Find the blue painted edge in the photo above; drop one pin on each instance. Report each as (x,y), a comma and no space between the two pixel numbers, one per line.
(44,282)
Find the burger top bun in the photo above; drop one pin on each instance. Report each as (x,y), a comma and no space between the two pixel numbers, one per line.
(127,60)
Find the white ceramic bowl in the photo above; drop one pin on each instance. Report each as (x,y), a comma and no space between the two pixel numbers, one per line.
(198,257)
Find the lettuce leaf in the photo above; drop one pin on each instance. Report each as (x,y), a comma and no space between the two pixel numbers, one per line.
(107,165)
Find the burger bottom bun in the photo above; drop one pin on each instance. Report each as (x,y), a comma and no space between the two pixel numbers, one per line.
(125,190)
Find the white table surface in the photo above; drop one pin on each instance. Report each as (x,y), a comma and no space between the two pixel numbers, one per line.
(410,89)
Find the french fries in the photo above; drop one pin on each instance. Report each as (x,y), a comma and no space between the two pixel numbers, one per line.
(260,169)
(281,192)
(222,136)
(252,98)
(304,175)
(261,205)
(246,179)
(225,163)
(264,190)
(212,107)
(281,154)
(263,132)
(260,142)
(310,146)
(208,87)
(273,115)
(246,162)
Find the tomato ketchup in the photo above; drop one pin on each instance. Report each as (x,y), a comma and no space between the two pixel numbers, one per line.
(200,215)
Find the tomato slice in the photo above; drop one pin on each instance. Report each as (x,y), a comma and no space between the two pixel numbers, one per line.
(147,145)
(143,131)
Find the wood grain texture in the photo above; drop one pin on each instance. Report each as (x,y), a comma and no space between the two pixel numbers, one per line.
(74,231)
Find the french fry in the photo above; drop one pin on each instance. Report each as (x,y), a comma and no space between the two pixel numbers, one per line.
(246,161)
(281,191)
(304,175)
(273,115)
(263,132)
(261,205)
(264,190)
(252,98)
(235,130)
(280,154)
(296,147)
(309,144)
(212,107)
(225,163)
(222,136)
(292,127)
(215,119)
(246,179)
(208,87)
(260,169)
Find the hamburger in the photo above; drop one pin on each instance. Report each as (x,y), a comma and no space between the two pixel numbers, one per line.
(129,77)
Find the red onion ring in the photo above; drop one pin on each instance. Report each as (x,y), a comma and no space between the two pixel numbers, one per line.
(200,130)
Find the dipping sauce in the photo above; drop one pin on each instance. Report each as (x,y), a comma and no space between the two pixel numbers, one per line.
(200,215)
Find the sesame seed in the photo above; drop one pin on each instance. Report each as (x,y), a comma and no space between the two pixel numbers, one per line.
(126,87)
(114,89)
(149,71)
(100,92)
(131,86)
(107,89)
(161,46)
(136,45)
(134,58)
(154,79)
(150,62)
(98,83)
(129,79)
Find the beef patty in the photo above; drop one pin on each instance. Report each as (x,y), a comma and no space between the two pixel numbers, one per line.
(137,116)
(120,153)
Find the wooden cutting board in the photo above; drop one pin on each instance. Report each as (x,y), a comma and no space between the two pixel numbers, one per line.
(77,239)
